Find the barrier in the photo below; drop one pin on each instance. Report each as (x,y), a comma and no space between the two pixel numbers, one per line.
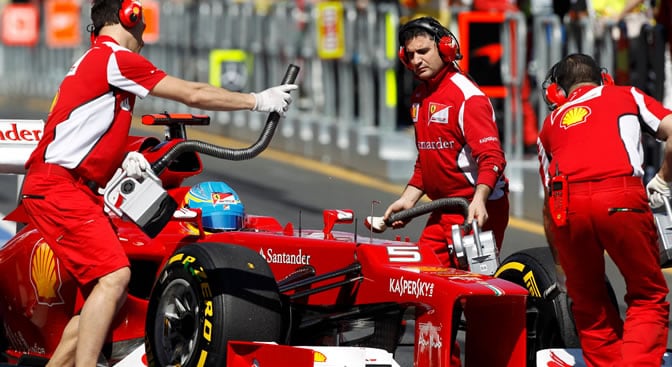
(346,111)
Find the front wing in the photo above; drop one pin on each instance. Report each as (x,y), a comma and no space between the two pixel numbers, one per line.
(245,354)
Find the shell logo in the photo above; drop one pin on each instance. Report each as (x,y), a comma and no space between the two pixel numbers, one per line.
(319,357)
(575,116)
(44,275)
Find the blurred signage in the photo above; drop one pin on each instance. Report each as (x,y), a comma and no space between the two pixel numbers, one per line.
(330,30)
(20,24)
(18,139)
(229,69)
(482,49)
(63,23)
(150,11)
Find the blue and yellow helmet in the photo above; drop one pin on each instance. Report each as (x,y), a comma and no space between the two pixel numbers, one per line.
(220,206)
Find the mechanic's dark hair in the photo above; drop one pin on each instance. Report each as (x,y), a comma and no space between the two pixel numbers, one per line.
(574,69)
(104,12)
(414,29)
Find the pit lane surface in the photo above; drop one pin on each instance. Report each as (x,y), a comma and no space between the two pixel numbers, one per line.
(294,189)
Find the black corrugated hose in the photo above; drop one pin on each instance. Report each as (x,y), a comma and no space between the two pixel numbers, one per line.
(450,205)
(228,153)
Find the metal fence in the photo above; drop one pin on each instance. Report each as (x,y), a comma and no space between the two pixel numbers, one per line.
(347,109)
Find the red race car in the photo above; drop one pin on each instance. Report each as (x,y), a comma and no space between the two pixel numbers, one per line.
(260,293)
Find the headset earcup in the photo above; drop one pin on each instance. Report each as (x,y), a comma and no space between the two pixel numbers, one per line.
(607,79)
(448,49)
(130,13)
(555,95)
(402,57)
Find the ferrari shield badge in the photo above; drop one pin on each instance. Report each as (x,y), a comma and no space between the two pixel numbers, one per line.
(438,113)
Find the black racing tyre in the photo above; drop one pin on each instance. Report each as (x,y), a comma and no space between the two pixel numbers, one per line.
(206,295)
(549,319)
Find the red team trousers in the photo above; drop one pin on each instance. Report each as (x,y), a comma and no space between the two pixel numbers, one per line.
(72,221)
(613,215)
(438,233)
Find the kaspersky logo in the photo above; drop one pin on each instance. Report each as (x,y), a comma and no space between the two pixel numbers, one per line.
(574,116)
(44,275)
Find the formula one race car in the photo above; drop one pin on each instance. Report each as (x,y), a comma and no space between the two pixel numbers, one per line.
(259,293)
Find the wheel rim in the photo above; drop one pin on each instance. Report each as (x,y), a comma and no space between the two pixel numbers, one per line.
(176,327)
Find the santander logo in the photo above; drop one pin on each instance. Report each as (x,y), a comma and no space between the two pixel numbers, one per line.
(21,131)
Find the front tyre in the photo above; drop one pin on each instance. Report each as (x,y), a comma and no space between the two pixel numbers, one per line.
(206,295)
(549,318)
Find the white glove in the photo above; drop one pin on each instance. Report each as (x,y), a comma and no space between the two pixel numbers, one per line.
(275,99)
(135,165)
(658,190)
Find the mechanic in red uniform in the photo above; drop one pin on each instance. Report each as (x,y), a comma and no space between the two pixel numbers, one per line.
(591,165)
(84,143)
(459,152)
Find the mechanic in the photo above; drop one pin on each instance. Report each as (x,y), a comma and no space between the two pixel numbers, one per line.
(459,151)
(591,160)
(84,143)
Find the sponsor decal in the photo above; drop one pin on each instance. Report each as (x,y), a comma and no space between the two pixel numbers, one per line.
(223,198)
(415,107)
(528,278)
(441,271)
(438,113)
(531,284)
(45,275)
(273,257)
(19,132)
(429,337)
(411,287)
(488,139)
(574,116)
(191,264)
(439,144)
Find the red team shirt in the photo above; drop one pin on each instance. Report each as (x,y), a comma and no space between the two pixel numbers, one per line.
(457,139)
(595,140)
(90,116)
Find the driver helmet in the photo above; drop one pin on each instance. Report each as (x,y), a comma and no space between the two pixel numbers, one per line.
(220,206)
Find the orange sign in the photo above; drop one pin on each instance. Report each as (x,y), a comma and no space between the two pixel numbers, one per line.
(150,11)
(62,23)
(20,24)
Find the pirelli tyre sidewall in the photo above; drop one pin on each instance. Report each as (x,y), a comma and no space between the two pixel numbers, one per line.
(550,323)
(206,295)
